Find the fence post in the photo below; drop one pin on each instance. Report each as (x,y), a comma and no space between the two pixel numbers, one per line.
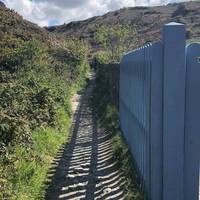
(173,111)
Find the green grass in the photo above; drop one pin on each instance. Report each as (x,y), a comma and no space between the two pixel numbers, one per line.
(26,178)
(123,156)
(108,120)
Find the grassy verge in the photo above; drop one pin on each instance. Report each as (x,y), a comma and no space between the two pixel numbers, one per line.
(24,172)
(37,81)
(24,167)
(108,119)
(123,156)
(26,176)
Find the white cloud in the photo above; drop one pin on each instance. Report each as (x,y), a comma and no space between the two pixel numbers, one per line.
(45,12)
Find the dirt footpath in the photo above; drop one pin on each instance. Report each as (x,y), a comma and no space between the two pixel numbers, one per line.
(85,168)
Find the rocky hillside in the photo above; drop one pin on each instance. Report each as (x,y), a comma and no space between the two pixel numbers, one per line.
(14,24)
(148,21)
(2,4)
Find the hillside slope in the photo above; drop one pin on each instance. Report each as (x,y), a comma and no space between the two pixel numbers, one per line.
(13,24)
(39,72)
(148,21)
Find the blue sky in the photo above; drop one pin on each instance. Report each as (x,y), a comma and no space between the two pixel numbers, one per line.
(52,22)
(54,12)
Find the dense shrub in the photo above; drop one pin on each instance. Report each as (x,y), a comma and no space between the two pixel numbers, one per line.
(116,40)
(35,84)
(108,119)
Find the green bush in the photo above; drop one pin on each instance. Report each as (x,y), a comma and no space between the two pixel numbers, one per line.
(116,40)
(108,120)
(28,100)
(36,84)
(24,177)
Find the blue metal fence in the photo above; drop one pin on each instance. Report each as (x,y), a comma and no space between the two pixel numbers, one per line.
(159,114)
(192,119)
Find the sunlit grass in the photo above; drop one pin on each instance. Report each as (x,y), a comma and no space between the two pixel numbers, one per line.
(108,120)
(31,166)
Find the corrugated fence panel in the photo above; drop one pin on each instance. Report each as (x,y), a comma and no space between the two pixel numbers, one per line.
(136,77)
(159,114)
(132,104)
(192,120)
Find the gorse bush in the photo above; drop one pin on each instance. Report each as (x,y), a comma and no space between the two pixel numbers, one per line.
(106,112)
(72,60)
(116,40)
(32,86)
(108,120)
(28,98)
(36,82)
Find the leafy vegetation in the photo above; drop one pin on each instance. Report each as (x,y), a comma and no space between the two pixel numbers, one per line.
(39,72)
(148,22)
(23,177)
(116,40)
(108,119)
(107,114)
(14,24)
(37,82)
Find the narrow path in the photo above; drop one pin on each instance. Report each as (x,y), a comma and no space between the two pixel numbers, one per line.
(85,169)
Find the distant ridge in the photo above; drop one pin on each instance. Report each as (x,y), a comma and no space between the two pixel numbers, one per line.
(148,21)
(13,24)
(2,4)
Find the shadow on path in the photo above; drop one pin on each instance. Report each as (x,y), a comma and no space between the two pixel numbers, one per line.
(85,168)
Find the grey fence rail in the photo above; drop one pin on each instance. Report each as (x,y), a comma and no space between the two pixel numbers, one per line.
(159,104)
